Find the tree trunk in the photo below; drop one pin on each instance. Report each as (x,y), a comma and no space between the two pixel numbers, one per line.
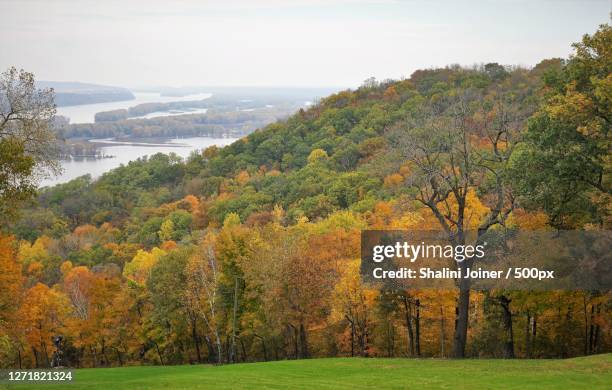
(232,354)
(390,339)
(119,359)
(586,325)
(362,338)
(106,361)
(293,332)
(45,354)
(263,346)
(463,307)
(534,332)
(228,348)
(35,353)
(565,351)
(244,353)
(211,349)
(408,313)
(597,332)
(219,347)
(507,313)
(352,335)
(442,335)
(161,359)
(528,336)
(275,348)
(95,357)
(417,327)
(196,342)
(303,342)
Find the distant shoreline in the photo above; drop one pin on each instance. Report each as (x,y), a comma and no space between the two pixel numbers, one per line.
(125,150)
(161,141)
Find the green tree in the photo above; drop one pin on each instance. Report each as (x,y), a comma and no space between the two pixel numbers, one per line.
(166,231)
(563,166)
(169,319)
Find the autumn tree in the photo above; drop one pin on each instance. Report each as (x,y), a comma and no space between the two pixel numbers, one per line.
(11,294)
(353,303)
(27,142)
(91,294)
(203,275)
(139,269)
(41,316)
(563,166)
(459,141)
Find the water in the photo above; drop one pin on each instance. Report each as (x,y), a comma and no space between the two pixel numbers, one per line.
(186,111)
(125,152)
(85,113)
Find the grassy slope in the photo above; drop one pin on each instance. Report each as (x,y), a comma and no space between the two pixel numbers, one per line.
(345,373)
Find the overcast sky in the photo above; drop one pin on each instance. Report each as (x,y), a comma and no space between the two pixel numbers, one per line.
(281,42)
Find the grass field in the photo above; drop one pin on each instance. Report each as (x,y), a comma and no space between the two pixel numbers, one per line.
(357,373)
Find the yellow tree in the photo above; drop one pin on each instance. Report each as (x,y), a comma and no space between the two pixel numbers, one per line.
(353,302)
(11,294)
(42,315)
(91,295)
(203,275)
(139,269)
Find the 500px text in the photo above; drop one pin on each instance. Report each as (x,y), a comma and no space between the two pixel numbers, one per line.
(448,273)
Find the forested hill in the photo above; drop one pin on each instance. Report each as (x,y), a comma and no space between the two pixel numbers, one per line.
(251,252)
(74,93)
(338,154)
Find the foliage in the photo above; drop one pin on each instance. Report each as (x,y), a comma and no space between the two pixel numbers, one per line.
(26,139)
(564,165)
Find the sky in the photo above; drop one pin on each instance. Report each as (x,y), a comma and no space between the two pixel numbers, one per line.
(314,43)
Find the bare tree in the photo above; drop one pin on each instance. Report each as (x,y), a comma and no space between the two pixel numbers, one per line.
(28,147)
(459,144)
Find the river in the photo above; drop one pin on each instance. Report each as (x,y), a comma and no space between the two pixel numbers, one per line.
(85,113)
(125,152)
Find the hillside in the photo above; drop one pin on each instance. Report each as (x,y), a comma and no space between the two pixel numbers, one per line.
(349,132)
(75,93)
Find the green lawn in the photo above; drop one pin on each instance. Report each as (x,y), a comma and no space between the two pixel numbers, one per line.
(356,373)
